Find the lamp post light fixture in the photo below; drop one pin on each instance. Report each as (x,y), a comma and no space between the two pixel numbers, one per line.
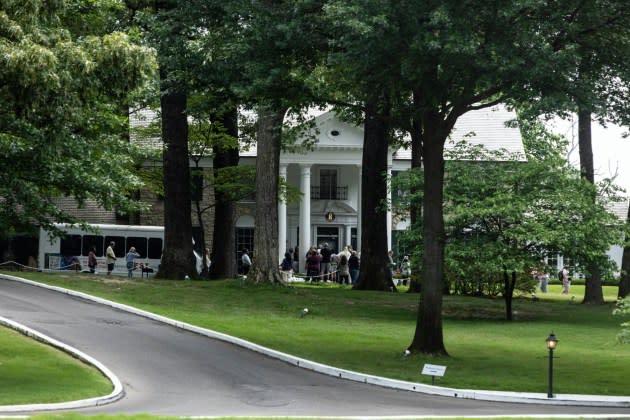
(552,342)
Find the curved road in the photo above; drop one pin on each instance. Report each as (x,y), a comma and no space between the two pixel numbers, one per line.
(167,371)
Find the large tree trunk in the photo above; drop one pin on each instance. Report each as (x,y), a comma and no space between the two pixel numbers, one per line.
(224,241)
(624,280)
(508,293)
(593,293)
(268,135)
(415,212)
(178,260)
(428,336)
(374,190)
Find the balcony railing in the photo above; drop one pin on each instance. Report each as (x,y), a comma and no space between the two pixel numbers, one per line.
(328,193)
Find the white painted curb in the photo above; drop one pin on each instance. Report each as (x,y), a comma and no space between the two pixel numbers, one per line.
(115,395)
(499,396)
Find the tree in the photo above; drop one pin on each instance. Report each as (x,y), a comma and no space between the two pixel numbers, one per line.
(278,50)
(361,76)
(450,58)
(600,35)
(169,27)
(506,213)
(59,102)
(224,243)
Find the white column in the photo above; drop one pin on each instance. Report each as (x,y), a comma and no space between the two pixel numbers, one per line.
(282,219)
(389,204)
(360,174)
(305,214)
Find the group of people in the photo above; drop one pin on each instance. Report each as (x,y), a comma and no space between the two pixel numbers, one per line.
(110,259)
(325,265)
(541,273)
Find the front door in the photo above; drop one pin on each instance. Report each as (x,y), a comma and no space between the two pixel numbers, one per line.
(329,235)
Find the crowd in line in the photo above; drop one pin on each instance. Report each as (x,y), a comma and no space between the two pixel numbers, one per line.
(323,264)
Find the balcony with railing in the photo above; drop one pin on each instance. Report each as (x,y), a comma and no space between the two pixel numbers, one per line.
(328,193)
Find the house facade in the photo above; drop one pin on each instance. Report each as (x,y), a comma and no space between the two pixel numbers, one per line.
(328,177)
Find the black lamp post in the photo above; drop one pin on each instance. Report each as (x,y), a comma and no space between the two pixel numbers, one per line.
(552,342)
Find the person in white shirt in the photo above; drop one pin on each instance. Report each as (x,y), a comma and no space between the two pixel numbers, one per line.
(247,263)
(110,257)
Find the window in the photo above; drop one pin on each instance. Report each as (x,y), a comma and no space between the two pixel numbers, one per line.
(95,241)
(329,235)
(354,240)
(71,245)
(139,243)
(155,248)
(328,184)
(552,262)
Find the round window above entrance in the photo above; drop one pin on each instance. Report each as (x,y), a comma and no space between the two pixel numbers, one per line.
(334,133)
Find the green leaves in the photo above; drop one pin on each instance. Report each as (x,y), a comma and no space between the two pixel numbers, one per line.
(63,125)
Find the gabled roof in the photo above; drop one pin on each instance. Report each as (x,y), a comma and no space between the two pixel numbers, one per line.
(487,127)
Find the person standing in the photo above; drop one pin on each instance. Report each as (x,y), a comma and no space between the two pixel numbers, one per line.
(353,266)
(566,280)
(247,262)
(542,274)
(313,264)
(405,270)
(92,260)
(325,263)
(344,269)
(110,257)
(131,255)
(286,267)
(390,271)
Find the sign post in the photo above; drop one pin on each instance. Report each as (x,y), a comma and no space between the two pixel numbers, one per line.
(433,371)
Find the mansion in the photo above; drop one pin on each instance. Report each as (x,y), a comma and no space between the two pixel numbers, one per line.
(329,178)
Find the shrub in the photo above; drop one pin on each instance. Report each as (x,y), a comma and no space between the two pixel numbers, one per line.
(623,308)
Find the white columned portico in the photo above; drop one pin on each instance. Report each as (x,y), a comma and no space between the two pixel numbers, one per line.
(305,214)
(359,199)
(282,218)
(389,209)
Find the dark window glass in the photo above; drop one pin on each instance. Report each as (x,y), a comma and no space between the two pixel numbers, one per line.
(353,241)
(328,184)
(155,248)
(119,249)
(95,241)
(71,245)
(139,243)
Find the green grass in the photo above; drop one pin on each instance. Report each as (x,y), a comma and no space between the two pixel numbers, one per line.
(368,331)
(31,372)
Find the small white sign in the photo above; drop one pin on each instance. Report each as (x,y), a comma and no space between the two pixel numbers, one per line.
(433,370)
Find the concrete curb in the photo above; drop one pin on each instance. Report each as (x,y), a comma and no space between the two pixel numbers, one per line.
(498,396)
(115,395)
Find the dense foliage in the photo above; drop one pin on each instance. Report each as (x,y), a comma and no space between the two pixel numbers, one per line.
(623,308)
(61,129)
(507,213)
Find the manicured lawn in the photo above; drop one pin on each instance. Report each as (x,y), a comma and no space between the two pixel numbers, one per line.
(368,331)
(31,372)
